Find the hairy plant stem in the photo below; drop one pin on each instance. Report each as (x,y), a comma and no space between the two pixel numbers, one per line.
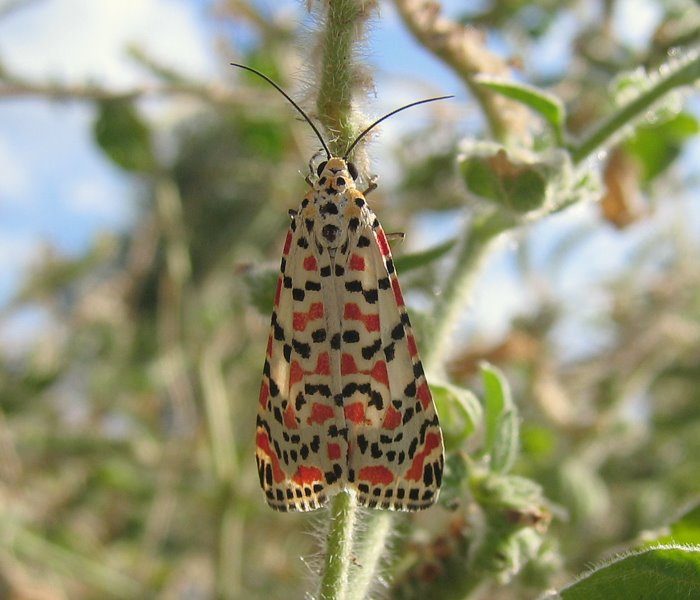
(483,230)
(378,529)
(344,29)
(685,72)
(341,533)
(344,22)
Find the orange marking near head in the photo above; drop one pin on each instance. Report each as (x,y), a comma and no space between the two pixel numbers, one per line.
(357,263)
(355,413)
(352,311)
(398,296)
(392,418)
(333,451)
(376,475)
(310,263)
(307,475)
(263,446)
(424,395)
(290,418)
(264,395)
(432,441)
(320,413)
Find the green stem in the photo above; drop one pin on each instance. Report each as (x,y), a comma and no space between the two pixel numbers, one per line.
(344,22)
(369,557)
(334,584)
(344,26)
(484,229)
(671,76)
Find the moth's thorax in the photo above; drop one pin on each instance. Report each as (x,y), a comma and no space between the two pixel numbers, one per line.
(332,204)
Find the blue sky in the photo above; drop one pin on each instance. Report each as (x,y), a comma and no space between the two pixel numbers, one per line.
(56,187)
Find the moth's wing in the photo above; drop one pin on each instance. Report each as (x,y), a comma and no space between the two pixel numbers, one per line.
(301,447)
(395,443)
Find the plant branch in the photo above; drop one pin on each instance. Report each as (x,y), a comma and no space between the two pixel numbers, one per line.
(339,77)
(463,49)
(344,22)
(671,76)
(341,533)
(484,230)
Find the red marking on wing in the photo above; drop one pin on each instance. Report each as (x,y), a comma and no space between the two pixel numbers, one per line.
(333,451)
(278,291)
(392,418)
(378,372)
(310,263)
(376,475)
(290,418)
(347,365)
(432,441)
(353,312)
(398,296)
(357,263)
(424,395)
(412,348)
(320,413)
(323,367)
(264,395)
(300,320)
(269,346)
(263,444)
(355,413)
(383,243)
(287,243)
(307,475)
(296,373)
(323,364)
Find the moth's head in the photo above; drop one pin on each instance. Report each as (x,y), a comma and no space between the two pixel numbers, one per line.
(337,172)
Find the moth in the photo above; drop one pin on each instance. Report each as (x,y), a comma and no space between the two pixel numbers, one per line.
(344,403)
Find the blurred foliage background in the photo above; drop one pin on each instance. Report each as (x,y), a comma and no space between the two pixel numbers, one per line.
(126,427)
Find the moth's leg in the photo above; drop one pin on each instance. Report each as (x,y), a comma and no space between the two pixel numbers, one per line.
(372,184)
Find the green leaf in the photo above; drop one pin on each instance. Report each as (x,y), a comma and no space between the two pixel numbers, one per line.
(549,106)
(668,572)
(408,262)
(502,427)
(124,136)
(261,284)
(460,412)
(657,146)
(495,176)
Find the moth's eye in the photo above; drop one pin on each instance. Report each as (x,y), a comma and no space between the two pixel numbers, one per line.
(352,169)
(320,168)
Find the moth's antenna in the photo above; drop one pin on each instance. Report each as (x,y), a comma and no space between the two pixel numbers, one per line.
(294,104)
(392,113)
